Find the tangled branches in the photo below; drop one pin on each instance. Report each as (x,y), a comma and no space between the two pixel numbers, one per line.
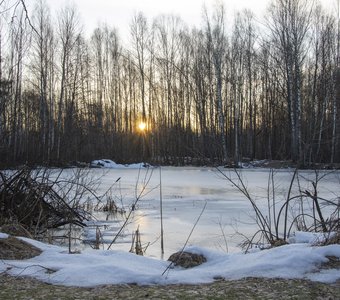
(30,199)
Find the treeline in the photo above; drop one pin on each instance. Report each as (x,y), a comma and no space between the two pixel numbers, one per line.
(213,94)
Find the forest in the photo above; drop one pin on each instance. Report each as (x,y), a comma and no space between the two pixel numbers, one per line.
(230,90)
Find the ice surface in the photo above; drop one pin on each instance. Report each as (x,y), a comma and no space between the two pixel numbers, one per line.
(185,192)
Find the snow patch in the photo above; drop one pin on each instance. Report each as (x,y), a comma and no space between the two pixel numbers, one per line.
(98,267)
(312,238)
(108,163)
(3,235)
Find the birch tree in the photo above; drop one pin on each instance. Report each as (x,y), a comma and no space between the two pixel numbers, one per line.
(289,23)
(216,40)
(68,30)
(42,68)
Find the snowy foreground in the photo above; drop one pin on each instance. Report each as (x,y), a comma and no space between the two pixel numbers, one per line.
(96,267)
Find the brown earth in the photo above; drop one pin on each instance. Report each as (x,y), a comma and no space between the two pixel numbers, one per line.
(249,288)
(13,248)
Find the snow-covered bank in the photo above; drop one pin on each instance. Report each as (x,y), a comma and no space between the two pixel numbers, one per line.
(107,163)
(97,267)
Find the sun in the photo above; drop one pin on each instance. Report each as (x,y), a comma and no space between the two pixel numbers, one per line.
(142,126)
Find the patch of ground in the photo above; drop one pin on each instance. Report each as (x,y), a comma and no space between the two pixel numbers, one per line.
(249,288)
(333,263)
(187,259)
(16,230)
(15,249)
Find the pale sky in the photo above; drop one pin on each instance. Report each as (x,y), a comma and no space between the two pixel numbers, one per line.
(118,13)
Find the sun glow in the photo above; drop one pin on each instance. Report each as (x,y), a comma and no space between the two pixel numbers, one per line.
(142,126)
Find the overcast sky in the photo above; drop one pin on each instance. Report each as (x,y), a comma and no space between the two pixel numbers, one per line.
(118,13)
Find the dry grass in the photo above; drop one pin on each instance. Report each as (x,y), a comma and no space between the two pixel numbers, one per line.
(249,288)
(15,249)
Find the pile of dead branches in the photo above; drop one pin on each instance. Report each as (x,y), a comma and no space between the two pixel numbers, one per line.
(30,199)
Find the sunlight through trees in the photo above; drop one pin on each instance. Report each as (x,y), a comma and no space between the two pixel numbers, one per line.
(214,94)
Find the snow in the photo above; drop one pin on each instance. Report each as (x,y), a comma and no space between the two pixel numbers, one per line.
(97,267)
(312,238)
(108,163)
(3,235)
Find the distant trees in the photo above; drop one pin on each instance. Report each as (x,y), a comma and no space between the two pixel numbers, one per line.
(207,95)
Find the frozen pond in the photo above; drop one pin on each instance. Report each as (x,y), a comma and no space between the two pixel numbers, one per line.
(185,192)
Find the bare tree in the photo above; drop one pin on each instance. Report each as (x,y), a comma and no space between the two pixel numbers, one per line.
(215,33)
(68,30)
(140,37)
(42,66)
(289,23)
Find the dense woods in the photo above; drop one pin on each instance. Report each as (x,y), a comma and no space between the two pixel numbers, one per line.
(229,90)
